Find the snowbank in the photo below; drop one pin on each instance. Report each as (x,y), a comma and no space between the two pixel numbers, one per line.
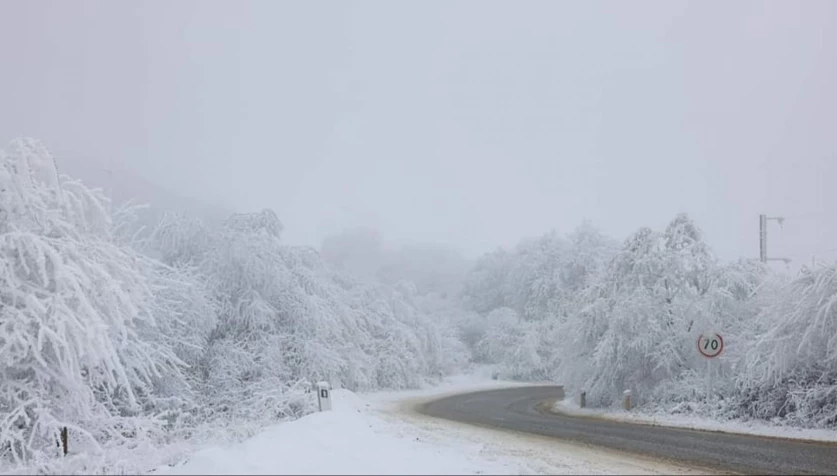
(692,422)
(347,440)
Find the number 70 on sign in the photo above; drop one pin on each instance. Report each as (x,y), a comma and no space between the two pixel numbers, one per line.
(710,345)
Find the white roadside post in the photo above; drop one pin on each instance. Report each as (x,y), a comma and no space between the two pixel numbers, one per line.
(627,395)
(324,396)
(710,345)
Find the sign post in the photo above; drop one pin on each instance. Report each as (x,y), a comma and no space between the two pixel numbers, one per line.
(324,396)
(710,345)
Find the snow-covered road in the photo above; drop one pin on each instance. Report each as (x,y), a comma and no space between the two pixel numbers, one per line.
(381,434)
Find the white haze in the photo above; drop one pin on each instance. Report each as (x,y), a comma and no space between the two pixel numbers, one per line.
(466,123)
(329,185)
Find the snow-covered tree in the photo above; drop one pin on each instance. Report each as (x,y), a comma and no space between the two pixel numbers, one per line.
(534,280)
(285,318)
(485,286)
(590,253)
(82,335)
(655,295)
(791,372)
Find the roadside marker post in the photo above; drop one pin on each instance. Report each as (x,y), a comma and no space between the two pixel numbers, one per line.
(324,396)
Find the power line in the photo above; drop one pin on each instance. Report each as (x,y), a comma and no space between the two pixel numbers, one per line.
(812,215)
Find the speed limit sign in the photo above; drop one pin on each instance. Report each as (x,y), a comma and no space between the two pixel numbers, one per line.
(710,345)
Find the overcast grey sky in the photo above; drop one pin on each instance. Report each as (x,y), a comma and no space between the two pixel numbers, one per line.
(473,123)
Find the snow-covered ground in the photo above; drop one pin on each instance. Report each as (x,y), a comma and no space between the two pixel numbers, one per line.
(347,440)
(380,434)
(693,422)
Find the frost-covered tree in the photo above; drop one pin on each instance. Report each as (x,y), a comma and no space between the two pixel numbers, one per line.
(513,343)
(286,318)
(544,281)
(485,286)
(84,341)
(536,291)
(590,253)
(653,296)
(791,372)
(605,319)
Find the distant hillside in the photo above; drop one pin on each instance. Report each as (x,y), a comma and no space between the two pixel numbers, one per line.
(124,185)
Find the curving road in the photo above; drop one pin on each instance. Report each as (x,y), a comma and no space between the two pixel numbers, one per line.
(522,409)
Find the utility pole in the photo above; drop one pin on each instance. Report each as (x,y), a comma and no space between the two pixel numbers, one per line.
(763,219)
(763,238)
(109,171)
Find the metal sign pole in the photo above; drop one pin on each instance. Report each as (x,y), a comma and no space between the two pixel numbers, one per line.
(710,346)
(708,379)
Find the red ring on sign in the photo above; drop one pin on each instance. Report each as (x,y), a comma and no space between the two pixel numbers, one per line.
(720,349)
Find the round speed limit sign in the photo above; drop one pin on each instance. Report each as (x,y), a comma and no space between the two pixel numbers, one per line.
(710,345)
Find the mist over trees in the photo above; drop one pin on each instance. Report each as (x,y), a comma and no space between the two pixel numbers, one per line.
(163,335)
(432,268)
(122,186)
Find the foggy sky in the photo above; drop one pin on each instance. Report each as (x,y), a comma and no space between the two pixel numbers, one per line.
(473,123)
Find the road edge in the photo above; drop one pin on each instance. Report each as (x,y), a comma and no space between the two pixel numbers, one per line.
(418,407)
(550,409)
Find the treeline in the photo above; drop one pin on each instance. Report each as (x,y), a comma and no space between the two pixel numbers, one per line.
(602,317)
(124,339)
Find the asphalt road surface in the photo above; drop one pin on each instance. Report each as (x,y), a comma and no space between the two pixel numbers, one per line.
(523,409)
